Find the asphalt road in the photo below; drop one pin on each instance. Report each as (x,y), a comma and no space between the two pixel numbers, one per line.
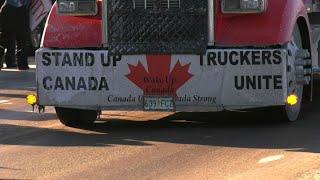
(137,145)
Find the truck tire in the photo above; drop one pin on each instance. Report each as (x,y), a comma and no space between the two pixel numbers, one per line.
(76,117)
(291,113)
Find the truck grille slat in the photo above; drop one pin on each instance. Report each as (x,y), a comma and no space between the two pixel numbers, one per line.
(157,26)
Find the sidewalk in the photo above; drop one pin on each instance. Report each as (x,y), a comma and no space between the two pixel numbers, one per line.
(32,65)
(14,79)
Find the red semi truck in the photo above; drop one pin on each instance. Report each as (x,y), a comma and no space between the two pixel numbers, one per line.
(177,55)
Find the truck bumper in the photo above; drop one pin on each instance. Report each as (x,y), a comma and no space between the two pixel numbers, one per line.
(221,79)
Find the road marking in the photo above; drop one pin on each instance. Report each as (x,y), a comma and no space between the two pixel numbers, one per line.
(270,159)
(4,101)
(10,70)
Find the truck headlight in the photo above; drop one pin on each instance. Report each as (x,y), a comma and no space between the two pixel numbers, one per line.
(244,6)
(77,7)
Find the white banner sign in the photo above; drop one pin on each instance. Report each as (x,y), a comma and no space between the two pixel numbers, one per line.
(233,77)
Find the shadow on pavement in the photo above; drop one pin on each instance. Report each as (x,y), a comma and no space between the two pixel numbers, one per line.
(23,115)
(241,130)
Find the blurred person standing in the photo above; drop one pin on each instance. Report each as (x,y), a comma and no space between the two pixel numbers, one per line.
(1,24)
(14,18)
(11,48)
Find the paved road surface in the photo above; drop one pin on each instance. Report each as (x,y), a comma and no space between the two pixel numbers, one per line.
(137,145)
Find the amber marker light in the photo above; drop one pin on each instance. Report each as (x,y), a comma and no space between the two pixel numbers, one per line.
(32,99)
(292,99)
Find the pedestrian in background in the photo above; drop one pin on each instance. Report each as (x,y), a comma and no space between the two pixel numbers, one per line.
(1,3)
(9,58)
(14,20)
(1,24)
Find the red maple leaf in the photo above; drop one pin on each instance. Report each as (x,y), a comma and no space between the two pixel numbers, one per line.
(158,80)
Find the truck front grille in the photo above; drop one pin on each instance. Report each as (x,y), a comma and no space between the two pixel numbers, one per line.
(157,27)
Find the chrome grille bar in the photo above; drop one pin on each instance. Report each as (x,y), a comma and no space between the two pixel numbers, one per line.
(146,4)
(211,22)
(104,23)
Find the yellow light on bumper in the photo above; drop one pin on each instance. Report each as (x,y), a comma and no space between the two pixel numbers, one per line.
(292,100)
(32,100)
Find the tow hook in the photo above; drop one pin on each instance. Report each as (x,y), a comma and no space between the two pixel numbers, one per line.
(32,100)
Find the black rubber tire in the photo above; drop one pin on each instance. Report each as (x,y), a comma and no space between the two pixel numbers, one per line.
(76,117)
(87,117)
